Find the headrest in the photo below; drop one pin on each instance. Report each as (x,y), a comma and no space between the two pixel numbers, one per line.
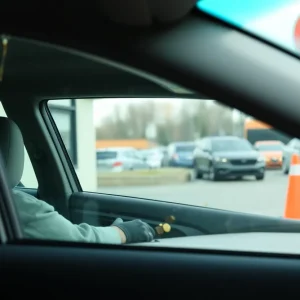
(12,149)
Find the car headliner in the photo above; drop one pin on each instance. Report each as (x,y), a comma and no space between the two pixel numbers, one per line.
(49,71)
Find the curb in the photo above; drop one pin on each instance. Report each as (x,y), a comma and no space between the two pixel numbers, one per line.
(151,180)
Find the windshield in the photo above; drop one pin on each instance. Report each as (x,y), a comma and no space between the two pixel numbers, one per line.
(187,148)
(106,155)
(277,21)
(269,147)
(231,145)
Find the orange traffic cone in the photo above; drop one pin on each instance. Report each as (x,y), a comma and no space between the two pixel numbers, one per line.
(292,208)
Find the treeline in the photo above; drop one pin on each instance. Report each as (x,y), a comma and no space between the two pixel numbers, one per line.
(164,122)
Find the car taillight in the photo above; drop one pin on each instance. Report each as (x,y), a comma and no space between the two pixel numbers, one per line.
(117,164)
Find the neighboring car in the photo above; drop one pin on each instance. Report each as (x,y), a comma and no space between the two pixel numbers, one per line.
(227,156)
(180,154)
(272,152)
(292,147)
(119,159)
(153,157)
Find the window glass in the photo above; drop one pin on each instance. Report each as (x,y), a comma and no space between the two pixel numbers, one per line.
(63,113)
(189,148)
(63,122)
(29,179)
(106,126)
(231,145)
(106,154)
(270,147)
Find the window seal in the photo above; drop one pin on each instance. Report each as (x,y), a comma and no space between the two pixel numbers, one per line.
(56,137)
(71,110)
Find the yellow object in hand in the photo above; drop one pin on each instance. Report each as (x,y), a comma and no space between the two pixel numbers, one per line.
(166,227)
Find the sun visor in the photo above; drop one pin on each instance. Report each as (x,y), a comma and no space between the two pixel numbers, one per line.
(146,12)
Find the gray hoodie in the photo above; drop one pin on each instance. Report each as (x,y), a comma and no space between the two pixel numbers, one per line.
(39,220)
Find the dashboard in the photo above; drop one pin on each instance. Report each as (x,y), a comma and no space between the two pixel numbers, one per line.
(288,243)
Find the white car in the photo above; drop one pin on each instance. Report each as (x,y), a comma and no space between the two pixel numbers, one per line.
(119,159)
(153,157)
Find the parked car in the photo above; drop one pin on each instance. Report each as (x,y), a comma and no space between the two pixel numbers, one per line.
(180,154)
(272,152)
(119,159)
(293,146)
(227,156)
(153,157)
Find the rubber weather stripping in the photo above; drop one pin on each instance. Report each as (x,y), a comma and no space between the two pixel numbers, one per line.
(4,41)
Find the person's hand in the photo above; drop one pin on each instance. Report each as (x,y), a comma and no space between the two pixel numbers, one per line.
(121,233)
(134,231)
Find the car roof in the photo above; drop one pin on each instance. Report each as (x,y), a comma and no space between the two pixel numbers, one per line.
(183,143)
(225,138)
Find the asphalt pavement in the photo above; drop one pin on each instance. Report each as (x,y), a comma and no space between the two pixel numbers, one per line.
(248,195)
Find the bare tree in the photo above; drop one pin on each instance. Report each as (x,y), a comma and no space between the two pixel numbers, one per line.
(194,119)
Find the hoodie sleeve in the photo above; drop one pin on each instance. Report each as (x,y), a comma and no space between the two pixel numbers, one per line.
(39,220)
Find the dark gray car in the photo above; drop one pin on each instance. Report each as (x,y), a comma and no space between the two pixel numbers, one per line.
(227,156)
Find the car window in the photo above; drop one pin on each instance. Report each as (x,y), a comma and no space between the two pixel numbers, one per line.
(107,154)
(296,144)
(269,147)
(230,145)
(185,148)
(106,130)
(29,179)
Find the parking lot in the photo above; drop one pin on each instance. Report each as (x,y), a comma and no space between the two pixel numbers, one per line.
(265,197)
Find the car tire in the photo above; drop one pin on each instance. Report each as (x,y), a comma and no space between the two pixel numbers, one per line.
(197,173)
(285,168)
(260,177)
(212,174)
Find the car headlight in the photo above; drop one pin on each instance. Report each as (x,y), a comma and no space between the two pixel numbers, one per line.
(261,158)
(221,159)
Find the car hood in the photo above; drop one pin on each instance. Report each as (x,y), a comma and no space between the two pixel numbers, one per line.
(237,154)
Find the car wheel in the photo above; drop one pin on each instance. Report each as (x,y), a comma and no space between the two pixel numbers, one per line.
(212,174)
(260,177)
(285,168)
(197,173)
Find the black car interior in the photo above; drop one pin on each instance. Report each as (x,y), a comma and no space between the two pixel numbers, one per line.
(200,53)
